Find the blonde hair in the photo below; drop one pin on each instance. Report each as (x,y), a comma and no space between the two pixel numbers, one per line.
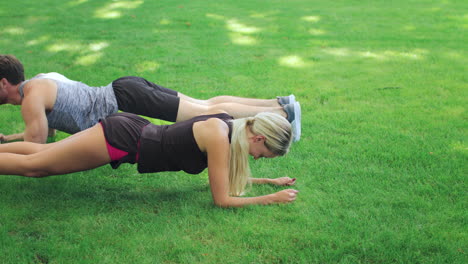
(277,131)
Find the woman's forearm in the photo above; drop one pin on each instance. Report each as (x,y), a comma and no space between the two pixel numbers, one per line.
(260,180)
(243,201)
(282,181)
(284,196)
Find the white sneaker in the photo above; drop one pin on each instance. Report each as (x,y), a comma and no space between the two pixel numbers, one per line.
(284,100)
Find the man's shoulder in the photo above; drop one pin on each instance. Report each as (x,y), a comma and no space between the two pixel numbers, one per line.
(39,86)
(40,91)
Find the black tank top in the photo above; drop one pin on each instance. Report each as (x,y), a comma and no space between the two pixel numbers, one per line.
(173,147)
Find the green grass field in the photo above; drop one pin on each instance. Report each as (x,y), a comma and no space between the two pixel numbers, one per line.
(381,166)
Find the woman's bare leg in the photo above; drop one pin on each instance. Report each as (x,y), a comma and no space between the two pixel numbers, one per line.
(231,99)
(83,151)
(27,148)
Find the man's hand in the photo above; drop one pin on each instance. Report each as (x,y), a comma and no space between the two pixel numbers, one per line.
(12,137)
(52,132)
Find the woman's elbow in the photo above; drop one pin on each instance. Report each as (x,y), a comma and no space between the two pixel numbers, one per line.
(224,203)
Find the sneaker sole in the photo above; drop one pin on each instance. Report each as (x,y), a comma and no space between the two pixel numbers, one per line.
(292,99)
(296,123)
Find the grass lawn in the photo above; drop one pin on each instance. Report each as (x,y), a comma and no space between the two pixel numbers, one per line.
(381,166)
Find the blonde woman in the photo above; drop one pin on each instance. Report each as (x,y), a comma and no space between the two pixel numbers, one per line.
(213,141)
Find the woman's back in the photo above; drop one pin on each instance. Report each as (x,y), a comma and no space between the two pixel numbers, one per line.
(174,147)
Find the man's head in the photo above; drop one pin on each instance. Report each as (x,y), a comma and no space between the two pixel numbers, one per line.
(11,73)
(11,69)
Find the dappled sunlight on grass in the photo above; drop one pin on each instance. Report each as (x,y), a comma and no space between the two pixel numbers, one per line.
(235,26)
(215,16)
(59,47)
(459,147)
(293,61)
(314,19)
(311,18)
(98,46)
(263,15)
(88,54)
(409,28)
(14,31)
(368,54)
(114,10)
(164,21)
(409,55)
(239,32)
(147,66)
(77,2)
(88,60)
(341,52)
(416,54)
(108,14)
(241,39)
(70,46)
(38,41)
(92,53)
(316,32)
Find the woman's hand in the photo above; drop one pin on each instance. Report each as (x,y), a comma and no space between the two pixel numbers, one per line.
(283,181)
(285,196)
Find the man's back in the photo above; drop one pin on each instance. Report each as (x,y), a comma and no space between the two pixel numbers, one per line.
(76,107)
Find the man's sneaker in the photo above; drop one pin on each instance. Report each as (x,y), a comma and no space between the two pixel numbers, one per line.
(284,100)
(294,117)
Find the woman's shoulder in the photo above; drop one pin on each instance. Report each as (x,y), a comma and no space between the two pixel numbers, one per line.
(212,127)
(212,131)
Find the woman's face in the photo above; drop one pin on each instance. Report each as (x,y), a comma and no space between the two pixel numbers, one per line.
(257,148)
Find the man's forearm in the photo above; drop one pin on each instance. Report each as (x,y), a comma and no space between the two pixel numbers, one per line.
(35,138)
(21,137)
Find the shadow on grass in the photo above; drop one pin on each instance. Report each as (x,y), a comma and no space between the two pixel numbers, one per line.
(50,196)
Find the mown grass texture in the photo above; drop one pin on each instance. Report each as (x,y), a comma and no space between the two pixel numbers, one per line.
(381,165)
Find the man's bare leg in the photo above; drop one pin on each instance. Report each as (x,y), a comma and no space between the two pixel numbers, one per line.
(189,109)
(231,99)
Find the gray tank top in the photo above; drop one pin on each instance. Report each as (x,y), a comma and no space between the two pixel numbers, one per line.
(78,106)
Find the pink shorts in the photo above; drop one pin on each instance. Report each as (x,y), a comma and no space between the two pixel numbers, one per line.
(114,153)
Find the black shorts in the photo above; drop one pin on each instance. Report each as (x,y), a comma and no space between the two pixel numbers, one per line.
(123,131)
(139,96)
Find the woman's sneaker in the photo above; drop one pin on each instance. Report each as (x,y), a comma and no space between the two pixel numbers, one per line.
(293,112)
(284,100)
